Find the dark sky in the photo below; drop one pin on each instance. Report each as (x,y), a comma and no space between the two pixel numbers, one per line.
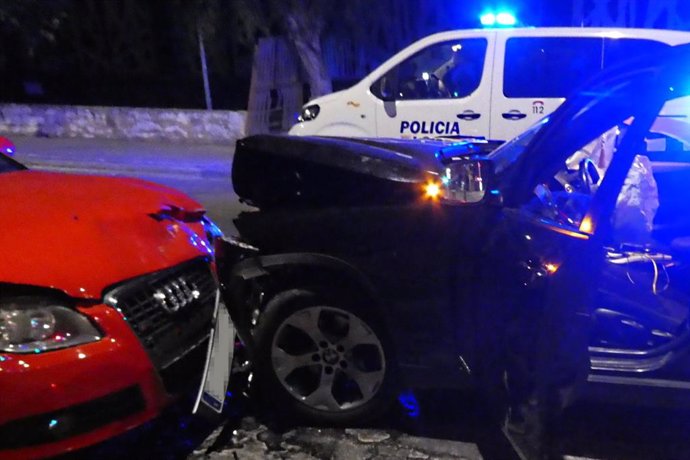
(128,52)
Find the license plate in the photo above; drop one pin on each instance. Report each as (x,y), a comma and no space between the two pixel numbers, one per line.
(219,356)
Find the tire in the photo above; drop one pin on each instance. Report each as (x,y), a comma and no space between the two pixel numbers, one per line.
(323,360)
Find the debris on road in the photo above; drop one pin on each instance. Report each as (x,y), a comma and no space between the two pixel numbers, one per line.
(253,440)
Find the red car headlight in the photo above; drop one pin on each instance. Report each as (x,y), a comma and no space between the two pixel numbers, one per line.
(34,325)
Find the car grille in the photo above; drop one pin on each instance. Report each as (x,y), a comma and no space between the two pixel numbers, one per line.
(170,311)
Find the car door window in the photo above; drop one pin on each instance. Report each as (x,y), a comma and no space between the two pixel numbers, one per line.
(445,70)
(649,209)
(565,198)
(549,67)
(668,150)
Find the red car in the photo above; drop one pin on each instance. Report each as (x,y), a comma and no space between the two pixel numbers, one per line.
(107,294)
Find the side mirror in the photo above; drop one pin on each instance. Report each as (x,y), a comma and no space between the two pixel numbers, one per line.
(388,85)
(470,180)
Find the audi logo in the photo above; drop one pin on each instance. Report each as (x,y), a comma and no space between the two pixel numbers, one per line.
(176,295)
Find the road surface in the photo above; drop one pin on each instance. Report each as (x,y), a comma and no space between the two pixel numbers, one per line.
(200,170)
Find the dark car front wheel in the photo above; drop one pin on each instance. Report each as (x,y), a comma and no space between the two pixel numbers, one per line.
(322,359)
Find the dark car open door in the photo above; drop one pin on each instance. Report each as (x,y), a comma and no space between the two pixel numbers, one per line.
(544,263)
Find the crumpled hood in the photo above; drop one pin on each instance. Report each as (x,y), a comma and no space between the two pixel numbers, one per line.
(271,171)
(80,234)
(398,160)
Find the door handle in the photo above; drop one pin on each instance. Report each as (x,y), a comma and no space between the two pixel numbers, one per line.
(468,115)
(514,115)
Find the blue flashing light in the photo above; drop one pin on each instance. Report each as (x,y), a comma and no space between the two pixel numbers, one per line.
(488,19)
(501,19)
(53,423)
(506,19)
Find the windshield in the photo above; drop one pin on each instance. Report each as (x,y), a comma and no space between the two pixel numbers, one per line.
(508,153)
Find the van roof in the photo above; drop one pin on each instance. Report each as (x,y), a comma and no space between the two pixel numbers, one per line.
(672,37)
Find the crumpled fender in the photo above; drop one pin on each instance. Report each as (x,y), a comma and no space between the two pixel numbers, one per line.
(271,273)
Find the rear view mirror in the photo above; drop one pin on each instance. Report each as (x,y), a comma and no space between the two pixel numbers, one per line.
(469,180)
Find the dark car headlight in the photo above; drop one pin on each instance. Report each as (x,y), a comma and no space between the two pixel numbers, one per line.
(33,325)
(309,113)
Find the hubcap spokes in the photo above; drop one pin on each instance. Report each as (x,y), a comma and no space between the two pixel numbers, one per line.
(328,358)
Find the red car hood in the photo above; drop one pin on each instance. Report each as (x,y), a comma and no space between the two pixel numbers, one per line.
(80,234)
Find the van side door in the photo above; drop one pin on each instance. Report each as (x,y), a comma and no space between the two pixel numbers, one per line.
(443,89)
(534,74)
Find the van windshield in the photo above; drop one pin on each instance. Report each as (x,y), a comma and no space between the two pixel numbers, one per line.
(508,153)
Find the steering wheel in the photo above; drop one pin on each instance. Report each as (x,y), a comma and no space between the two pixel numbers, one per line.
(589,175)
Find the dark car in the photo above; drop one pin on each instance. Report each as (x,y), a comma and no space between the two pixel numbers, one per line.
(373,264)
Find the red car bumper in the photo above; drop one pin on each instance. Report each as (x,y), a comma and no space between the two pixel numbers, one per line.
(59,401)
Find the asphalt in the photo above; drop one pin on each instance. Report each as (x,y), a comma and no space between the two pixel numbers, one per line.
(200,170)
(190,160)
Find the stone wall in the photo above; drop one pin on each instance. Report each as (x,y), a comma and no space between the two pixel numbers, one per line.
(122,123)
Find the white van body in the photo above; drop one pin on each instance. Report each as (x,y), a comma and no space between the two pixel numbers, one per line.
(504,80)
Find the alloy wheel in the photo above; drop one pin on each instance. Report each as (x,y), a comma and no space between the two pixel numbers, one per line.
(328,358)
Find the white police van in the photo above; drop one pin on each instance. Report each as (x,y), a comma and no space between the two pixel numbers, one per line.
(493,83)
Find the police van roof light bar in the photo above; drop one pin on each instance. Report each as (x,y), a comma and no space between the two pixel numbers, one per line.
(503,18)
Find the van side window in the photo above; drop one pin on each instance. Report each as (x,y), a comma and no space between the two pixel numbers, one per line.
(542,67)
(445,70)
(620,49)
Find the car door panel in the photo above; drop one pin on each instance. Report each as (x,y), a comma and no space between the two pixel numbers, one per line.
(529,267)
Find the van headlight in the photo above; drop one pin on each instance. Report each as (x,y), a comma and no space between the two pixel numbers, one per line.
(309,113)
(33,325)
